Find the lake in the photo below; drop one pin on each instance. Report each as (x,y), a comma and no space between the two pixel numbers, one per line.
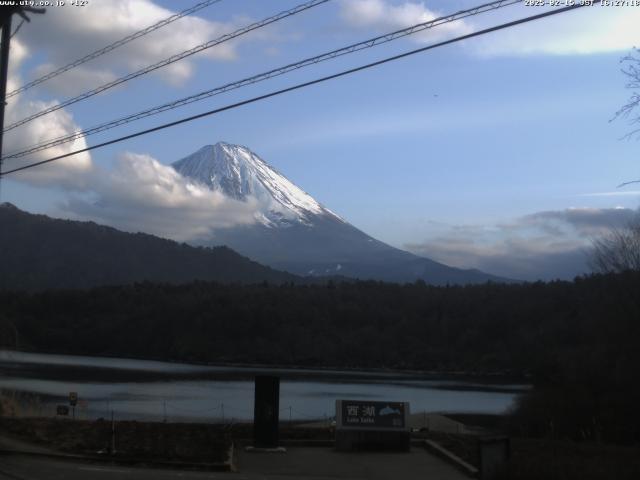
(153,390)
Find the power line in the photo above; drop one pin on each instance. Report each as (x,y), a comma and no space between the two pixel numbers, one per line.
(306,84)
(170,60)
(370,43)
(264,76)
(628,183)
(13,35)
(112,46)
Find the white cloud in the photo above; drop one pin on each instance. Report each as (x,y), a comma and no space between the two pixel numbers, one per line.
(589,30)
(68,172)
(620,193)
(66,34)
(142,195)
(544,245)
(67,84)
(65,173)
(382,15)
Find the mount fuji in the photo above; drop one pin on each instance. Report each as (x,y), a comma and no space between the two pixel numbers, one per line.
(294,232)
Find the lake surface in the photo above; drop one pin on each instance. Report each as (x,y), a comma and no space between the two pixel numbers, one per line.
(151,390)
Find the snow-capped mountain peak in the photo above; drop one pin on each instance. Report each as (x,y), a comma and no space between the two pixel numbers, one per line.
(294,232)
(241,174)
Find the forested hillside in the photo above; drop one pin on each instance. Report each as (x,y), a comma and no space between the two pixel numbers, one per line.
(39,252)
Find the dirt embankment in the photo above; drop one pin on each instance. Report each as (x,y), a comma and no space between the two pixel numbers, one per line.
(187,442)
(166,441)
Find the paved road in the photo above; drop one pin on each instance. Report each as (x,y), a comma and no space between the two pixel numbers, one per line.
(324,463)
(22,467)
(298,463)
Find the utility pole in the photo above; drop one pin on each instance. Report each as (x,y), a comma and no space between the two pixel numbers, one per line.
(4,70)
(6,14)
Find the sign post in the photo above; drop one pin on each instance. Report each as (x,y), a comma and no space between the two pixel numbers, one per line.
(62,410)
(73,401)
(362,424)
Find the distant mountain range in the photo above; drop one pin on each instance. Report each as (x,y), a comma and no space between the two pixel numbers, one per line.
(294,232)
(38,252)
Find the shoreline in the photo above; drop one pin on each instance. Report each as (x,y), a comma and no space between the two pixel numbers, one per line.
(243,371)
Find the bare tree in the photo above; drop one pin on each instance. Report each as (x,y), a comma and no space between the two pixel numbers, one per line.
(631,70)
(619,250)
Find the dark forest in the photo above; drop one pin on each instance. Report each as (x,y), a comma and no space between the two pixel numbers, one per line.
(577,342)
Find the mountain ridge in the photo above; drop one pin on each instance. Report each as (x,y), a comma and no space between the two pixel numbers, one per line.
(40,252)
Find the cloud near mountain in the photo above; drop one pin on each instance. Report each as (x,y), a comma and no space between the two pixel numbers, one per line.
(543,245)
(141,194)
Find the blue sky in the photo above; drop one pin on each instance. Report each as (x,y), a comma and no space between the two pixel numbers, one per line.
(495,153)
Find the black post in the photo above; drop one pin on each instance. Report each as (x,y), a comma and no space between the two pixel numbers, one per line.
(113,435)
(4,70)
(266,412)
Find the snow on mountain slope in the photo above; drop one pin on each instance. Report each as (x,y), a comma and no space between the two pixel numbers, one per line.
(241,174)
